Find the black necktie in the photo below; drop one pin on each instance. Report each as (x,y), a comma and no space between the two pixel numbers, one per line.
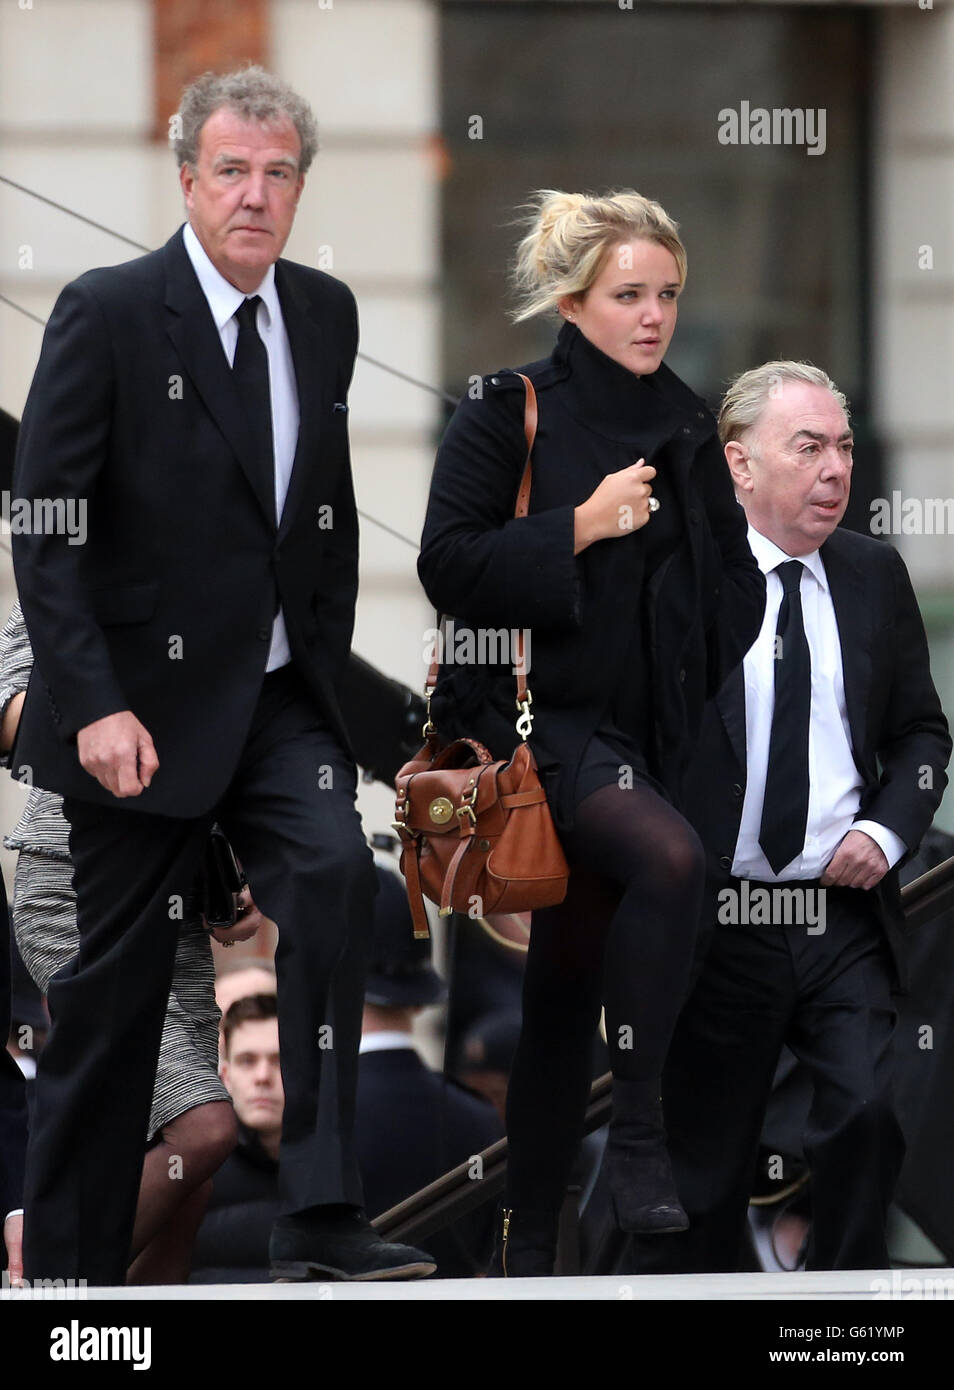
(785,808)
(250,370)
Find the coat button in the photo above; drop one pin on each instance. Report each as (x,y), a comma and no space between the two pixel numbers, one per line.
(682,675)
(495,381)
(700,414)
(263,634)
(738,789)
(725,862)
(687,429)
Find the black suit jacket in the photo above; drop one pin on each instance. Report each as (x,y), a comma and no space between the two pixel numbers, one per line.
(899,736)
(167,608)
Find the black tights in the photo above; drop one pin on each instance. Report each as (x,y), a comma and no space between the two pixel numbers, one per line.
(622,939)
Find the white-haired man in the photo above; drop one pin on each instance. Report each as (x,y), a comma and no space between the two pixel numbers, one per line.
(188,662)
(821,766)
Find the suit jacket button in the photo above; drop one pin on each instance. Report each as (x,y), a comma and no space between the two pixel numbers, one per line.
(738,789)
(263,634)
(725,862)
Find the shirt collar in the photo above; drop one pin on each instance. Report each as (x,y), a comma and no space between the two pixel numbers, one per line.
(223,297)
(389,1041)
(768,556)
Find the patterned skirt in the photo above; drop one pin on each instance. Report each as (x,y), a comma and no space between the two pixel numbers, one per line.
(44,924)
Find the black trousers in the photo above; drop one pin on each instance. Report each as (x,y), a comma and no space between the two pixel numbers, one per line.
(290,815)
(828,996)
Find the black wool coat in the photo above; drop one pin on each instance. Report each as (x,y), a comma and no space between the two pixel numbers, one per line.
(702,607)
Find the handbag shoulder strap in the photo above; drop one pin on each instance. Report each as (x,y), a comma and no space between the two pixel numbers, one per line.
(524,698)
(530,434)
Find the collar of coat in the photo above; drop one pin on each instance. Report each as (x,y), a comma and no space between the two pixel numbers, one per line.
(611,400)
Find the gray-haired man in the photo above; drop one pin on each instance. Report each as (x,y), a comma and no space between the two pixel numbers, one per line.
(188,659)
(821,765)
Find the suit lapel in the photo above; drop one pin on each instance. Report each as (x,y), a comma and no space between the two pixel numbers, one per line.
(192,329)
(851,614)
(730,703)
(313,378)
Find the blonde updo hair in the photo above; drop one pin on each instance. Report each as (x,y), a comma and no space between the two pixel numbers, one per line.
(570,236)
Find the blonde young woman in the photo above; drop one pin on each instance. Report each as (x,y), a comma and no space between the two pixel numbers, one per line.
(633,574)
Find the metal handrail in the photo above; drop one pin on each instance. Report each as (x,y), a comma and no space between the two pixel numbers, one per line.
(458,1192)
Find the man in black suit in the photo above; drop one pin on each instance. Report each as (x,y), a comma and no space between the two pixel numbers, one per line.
(188,422)
(821,766)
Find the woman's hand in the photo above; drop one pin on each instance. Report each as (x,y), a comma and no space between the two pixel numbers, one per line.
(246,925)
(618,506)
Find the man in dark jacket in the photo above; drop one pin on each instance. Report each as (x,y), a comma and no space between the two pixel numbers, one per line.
(821,766)
(231,1246)
(187,423)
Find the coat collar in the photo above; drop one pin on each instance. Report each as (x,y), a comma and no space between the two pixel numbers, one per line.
(313,377)
(643,411)
(192,329)
(730,702)
(852,606)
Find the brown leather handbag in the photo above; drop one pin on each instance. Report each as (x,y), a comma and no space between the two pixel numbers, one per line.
(477,835)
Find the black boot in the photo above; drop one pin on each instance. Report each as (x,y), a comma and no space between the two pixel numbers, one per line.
(637,1164)
(339,1242)
(525,1243)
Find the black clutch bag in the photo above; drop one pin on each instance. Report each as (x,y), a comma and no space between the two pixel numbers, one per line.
(222,881)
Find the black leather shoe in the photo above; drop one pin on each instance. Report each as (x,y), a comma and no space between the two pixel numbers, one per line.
(638,1170)
(340,1244)
(525,1244)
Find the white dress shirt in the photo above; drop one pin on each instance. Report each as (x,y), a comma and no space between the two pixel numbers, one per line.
(224,299)
(835,784)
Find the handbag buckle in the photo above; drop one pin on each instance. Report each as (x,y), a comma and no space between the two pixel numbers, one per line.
(428,727)
(466,807)
(525,722)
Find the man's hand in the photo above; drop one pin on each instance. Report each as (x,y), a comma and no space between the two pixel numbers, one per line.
(13,1239)
(247,923)
(857,863)
(119,752)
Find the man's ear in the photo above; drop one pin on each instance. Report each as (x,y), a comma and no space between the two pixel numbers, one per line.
(738,460)
(186,180)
